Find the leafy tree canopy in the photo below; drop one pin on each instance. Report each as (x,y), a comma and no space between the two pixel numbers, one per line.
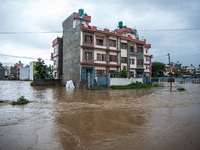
(158,69)
(40,68)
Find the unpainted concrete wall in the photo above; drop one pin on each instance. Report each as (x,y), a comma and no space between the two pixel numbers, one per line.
(71,52)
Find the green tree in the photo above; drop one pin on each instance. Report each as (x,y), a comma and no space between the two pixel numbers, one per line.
(40,68)
(158,69)
(124,72)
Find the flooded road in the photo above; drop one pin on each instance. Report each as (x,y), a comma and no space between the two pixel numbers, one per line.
(58,118)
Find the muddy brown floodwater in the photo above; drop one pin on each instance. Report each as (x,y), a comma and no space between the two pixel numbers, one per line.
(56,118)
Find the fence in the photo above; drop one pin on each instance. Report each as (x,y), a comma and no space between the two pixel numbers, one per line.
(165,79)
(95,80)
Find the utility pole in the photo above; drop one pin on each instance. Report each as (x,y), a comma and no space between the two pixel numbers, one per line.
(170,73)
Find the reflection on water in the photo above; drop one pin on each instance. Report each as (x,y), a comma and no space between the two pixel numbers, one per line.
(58,118)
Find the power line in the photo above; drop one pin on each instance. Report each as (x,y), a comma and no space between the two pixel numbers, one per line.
(183,50)
(49,32)
(24,57)
(186,29)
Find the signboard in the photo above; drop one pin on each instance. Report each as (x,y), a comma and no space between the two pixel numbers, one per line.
(171,79)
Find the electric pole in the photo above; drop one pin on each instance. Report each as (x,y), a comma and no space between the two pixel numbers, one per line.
(170,73)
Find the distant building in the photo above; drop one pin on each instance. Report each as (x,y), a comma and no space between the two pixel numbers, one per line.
(12,72)
(2,72)
(18,65)
(24,73)
(57,58)
(32,70)
(87,50)
(190,69)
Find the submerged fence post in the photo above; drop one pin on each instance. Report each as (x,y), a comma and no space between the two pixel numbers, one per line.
(108,80)
(88,79)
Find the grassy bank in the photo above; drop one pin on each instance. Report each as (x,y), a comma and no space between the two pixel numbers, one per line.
(137,85)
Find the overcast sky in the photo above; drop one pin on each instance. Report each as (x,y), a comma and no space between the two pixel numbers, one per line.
(154,20)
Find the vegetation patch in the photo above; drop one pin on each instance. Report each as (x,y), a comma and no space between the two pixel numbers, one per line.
(181,82)
(137,85)
(31,83)
(20,101)
(181,89)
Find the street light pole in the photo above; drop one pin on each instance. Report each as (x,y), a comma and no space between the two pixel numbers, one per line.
(170,73)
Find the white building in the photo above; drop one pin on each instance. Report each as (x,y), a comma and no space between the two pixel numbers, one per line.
(24,73)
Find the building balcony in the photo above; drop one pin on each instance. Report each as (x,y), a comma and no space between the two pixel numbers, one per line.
(133,53)
(140,67)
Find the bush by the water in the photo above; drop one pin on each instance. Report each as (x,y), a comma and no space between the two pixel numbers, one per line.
(137,85)
(31,83)
(181,89)
(20,101)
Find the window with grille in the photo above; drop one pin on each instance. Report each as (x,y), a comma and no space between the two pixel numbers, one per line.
(103,57)
(88,55)
(140,48)
(140,62)
(113,58)
(124,46)
(99,57)
(99,42)
(112,43)
(133,61)
(88,39)
(123,59)
(100,72)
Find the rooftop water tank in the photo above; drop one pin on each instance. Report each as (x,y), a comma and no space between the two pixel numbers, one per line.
(81,11)
(120,24)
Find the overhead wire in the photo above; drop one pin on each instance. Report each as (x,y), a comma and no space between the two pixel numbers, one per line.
(49,32)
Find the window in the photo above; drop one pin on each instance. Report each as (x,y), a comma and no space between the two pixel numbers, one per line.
(100,72)
(54,62)
(99,57)
(131,74)
(147,59)
(112,43)
(140,48)
(88,55)
(124,45)
(132,61)
(113,58)
(112,71)
(99,42)
(146,51)
(103,57)
(140,62)
(132,49)
(147,68)
(124,60)
(88,39)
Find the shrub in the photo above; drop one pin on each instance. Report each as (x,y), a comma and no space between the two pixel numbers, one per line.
(181,82)
(20,101)
(31,83)
(154,79)
(137,85)
(181,89)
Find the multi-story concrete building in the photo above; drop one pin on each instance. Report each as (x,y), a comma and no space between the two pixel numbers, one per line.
(18,66)
(89,50)
(56,57)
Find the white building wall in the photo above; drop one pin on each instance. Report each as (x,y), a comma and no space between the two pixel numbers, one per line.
(24,73)
(124,81)
(123,53)
(31,71)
